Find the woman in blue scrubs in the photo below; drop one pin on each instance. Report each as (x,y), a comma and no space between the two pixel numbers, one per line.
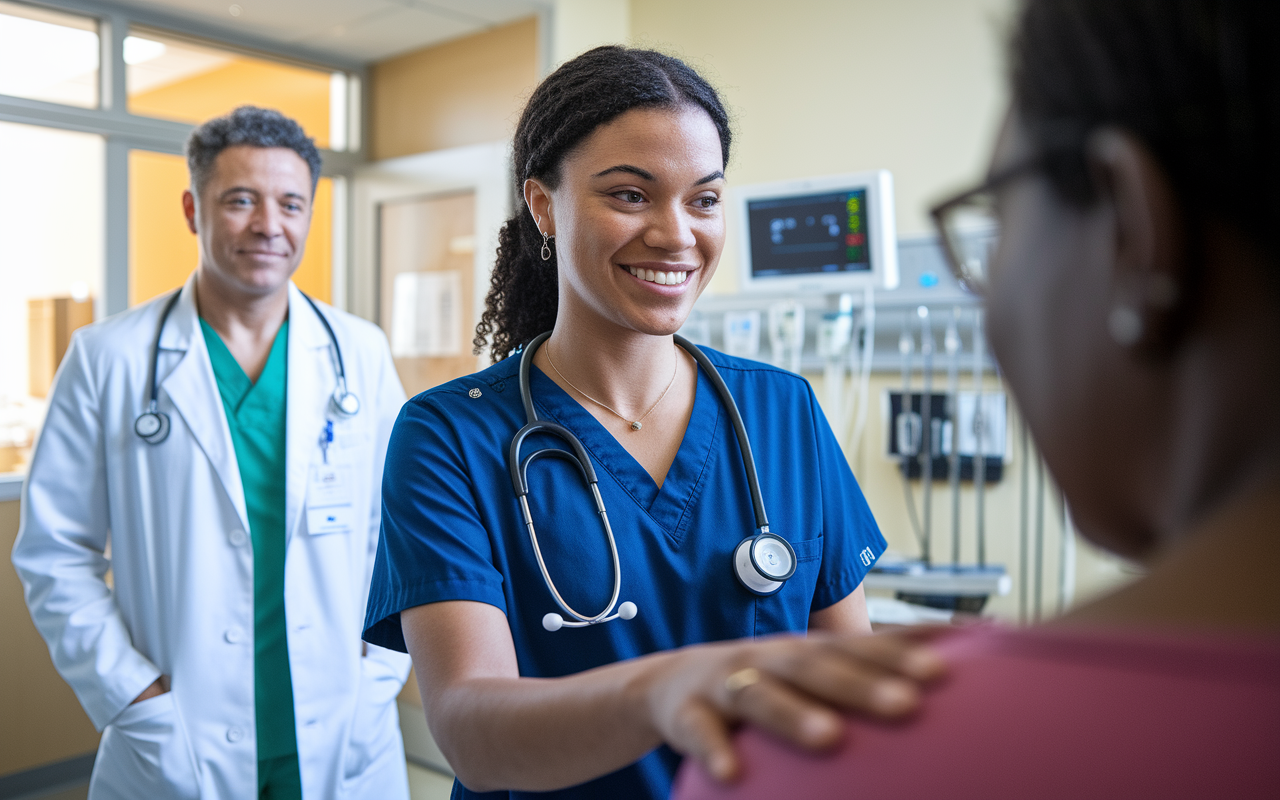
(620,158)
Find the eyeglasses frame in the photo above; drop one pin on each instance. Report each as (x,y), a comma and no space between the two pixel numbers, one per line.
(971,284)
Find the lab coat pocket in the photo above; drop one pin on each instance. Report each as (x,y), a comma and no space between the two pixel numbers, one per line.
(144,752)
(375,726)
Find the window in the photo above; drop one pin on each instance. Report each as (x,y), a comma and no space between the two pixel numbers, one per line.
(177,79)
(51,223)
(91,218)
(48,55)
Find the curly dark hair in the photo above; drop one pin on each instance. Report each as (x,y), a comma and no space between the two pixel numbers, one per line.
(247,125)
(1198,81)
(573,101)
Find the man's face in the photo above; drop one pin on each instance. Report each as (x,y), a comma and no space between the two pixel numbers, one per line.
(252,218)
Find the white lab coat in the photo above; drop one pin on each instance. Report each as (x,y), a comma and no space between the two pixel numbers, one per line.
(174,517)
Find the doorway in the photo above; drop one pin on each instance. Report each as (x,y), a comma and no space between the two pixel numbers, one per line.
(427,286)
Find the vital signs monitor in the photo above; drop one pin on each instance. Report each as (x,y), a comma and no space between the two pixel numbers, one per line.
(831,234)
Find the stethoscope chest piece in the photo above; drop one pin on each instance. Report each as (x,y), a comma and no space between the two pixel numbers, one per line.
(763,563)
(345,403)
(152,427)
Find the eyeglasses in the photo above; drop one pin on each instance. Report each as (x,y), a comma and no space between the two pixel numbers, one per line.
(969,228)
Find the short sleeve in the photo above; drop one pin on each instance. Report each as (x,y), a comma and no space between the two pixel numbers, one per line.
(852,542)
(434,546)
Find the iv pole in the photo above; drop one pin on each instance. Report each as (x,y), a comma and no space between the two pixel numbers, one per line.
(907,446)
(979,434)
(926,435)
(952,344)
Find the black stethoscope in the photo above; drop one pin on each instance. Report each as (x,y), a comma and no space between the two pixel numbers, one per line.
(153,425)
(762,562)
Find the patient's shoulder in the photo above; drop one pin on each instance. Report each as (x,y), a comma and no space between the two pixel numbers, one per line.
(1056,713)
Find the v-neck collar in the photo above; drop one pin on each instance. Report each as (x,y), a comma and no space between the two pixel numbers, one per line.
(668,506)
(233,383)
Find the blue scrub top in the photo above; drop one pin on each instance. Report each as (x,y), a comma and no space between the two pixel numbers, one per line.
(452,528)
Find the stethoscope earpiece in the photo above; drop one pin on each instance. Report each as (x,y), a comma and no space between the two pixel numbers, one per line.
(554,622)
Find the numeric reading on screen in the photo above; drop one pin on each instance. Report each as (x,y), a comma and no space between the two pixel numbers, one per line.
(809,234)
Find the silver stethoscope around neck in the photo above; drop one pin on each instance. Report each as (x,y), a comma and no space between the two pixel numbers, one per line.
(152,426)
(762,561)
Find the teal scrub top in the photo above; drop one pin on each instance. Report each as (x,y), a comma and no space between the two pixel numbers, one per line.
(256,417)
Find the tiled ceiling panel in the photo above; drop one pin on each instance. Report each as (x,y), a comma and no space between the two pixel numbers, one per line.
(387,32)
(350,30)
(492,12)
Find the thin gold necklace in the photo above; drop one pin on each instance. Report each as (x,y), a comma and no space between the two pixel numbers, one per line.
(635,424)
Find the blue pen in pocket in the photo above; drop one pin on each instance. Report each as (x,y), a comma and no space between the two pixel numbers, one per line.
(326,439)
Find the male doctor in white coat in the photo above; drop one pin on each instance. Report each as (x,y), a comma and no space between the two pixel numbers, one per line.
(235,501)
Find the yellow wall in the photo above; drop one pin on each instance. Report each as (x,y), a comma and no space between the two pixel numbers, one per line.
(163,252)
(830,86)
(580,25)
(467,91)
(302,94)
(42,720)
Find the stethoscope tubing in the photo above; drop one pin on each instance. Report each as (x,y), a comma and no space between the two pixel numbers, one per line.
(582,619)
(341,394)
(520,482)
(765,585)
(344,402)
(739,429)
(153,394)
(717,382)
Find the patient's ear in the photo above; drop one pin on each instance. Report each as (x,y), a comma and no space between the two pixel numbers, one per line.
(1150,269)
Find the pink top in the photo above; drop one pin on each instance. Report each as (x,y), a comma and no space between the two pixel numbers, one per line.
(1050,713)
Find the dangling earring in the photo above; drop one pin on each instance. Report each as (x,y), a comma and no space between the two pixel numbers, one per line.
(547,241)
(1125,325)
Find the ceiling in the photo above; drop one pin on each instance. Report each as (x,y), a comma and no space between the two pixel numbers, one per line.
(350,30)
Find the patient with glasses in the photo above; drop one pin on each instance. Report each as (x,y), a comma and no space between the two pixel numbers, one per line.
(1124,247)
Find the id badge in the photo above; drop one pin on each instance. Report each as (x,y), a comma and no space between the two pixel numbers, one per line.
(329,499)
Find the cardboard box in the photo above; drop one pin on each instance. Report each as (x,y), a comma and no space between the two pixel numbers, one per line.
(51,321)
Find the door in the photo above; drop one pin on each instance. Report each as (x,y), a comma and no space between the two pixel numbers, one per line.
(425,235)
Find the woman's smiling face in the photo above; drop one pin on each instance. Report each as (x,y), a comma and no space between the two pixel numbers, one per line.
(638,219)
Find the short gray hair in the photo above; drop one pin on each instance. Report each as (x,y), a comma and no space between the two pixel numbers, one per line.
(252,126)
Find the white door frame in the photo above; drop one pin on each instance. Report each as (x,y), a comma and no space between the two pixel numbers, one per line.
(482,168)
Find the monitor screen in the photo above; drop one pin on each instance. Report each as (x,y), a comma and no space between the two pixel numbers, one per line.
(797,235)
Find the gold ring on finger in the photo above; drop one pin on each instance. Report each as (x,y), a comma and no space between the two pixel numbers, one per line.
(741,679)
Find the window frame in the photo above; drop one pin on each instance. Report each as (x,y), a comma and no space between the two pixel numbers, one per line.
(123,132)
